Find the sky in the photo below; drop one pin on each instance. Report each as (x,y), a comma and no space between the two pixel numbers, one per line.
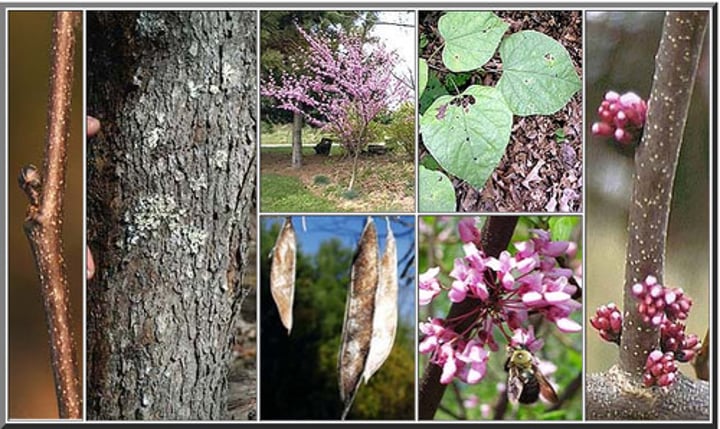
(398,39)
(347,229)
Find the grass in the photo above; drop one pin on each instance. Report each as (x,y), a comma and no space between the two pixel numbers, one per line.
(288,194)
(281,134)
(335,150)
(321,180)
(351,194)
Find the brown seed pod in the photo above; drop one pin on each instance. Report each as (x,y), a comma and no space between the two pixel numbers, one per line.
(386,314)
(359,309)
(282,273)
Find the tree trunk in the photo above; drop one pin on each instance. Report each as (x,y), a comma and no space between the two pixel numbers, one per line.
(171,203)
(297,140)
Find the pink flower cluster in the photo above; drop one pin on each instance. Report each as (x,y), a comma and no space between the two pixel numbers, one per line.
(662,307)
(506,290)
(655,302)
(673,339)
(621,117)
(660,369)
(608,321)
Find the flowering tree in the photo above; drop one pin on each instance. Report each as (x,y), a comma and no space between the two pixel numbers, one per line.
(497,297)
(340,84)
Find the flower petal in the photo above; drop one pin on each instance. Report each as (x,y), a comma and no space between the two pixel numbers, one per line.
(567,325)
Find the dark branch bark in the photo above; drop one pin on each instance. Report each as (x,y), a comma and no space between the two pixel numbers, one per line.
(615,395)
(496,235)
(619,393)
(43,225)
(655,163)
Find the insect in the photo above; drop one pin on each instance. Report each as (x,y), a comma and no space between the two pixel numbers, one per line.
(525,381)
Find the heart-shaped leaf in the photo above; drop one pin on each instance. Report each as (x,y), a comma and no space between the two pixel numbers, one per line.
(436,191)
(470,38)
(538,75)
(422,76)
(467,134)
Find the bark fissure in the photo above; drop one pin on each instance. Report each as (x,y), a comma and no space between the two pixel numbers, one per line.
(170,184)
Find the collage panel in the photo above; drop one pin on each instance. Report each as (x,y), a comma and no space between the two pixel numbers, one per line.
(337,111)
(44,286)
(649,88)
(337,318)
(171,215)
(500,108)
(501,318)
(339,215)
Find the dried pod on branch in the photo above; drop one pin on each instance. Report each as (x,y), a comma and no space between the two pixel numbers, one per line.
(282,273)
(385,317)
(359,310)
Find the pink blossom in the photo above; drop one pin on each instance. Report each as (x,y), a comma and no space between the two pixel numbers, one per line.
(471,401)
(621,116)
(468,279)
(469,233)
(475,358)
(526,339)
(435,335)
(449,363)
(429,285)
(485,411)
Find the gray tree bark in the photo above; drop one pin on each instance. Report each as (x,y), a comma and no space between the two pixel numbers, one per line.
(171,203)
(297,140)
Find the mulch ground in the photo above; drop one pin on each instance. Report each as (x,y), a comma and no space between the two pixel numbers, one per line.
(385,182)
(537,173)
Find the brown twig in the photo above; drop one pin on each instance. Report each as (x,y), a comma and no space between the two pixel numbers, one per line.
(496,235)
(43,224)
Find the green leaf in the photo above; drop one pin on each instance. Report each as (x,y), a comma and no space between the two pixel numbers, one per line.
(423,41)
(422,76)
(429,163)
(436,191)
(538,75)
(433,90)
(561,227)
(467,134)
(453,81)
(554,415)
(470,38)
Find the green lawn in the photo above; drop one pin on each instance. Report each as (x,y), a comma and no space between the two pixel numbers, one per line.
(287,194)
(335,150)
(281,134)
